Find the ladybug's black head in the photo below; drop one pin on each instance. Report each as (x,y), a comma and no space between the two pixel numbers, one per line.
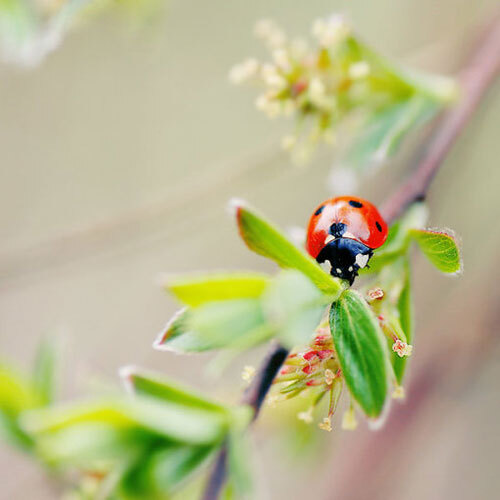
(346,256)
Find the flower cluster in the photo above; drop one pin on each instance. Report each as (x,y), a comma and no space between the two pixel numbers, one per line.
(313,368)
(316,368)
(319,84)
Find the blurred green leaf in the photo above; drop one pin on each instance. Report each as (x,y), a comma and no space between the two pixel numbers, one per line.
(196,290)
(380,136)
(176,336)
(263,238)
(91,445)
(164,419)
(238,458)
(17,394)
(44,373)
(294,306)
(440,248)
(230,323)
(398,239)
(162,388)
(159,471)
(360,346)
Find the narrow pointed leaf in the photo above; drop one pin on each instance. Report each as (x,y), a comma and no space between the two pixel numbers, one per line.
(294,306)
(265,239)
(164,389)
(44,373)
(441,248)
(196,290)
(405,309)
(361,350)
(398,239)
(166,419)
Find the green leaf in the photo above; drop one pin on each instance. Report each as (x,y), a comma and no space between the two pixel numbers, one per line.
(44,373)
(90,445)
(381,135)
(177,337)
(164,419)
(163,389)
(405,309)
(440,248)
(263,238)
(196,290)
(360,346)
(294,306)
(16,392)
(230,323)
(398,239)
(238,462)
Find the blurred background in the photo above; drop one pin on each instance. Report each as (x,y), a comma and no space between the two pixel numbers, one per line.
(118,155)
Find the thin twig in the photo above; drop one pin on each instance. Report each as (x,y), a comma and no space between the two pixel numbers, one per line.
(254,396)
(475,78)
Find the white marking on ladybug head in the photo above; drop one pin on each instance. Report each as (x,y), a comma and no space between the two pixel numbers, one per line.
(329,238)
(347,234)
(326,266)
(350,269)
(362,260)
(339,271)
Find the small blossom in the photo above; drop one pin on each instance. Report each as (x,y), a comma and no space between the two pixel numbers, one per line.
(242,72)
(349,422)
(248,373)
(402,348)
(358,70)
(306,416)
(326,425)
(282,59)
(399,392)
(329,376)
(272,77)
(316,90)
(330,31)
(375,294)
(269,32)
(268,105)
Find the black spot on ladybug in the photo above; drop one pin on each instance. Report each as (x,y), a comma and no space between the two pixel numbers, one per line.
(320,209)
(379,227)
(337,229)
(355,204)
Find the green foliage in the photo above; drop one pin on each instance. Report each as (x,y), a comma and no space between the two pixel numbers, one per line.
(151,442)
(265,239)
(196,290)
(294,306)
(382,132)
(340,83)
(405,312)
(398,239)
(19,393)
(361,351)
(289,308)
(441,248)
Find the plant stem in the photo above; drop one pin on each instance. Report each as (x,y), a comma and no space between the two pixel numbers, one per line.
(475,78)
(254,396)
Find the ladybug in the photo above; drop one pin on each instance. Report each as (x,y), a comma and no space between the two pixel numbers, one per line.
(344,231)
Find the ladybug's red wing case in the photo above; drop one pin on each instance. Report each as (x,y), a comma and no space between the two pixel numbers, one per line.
(344,231)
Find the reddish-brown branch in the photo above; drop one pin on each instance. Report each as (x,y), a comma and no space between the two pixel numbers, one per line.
(475,78)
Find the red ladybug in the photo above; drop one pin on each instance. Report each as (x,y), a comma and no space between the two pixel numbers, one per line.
(345,231)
